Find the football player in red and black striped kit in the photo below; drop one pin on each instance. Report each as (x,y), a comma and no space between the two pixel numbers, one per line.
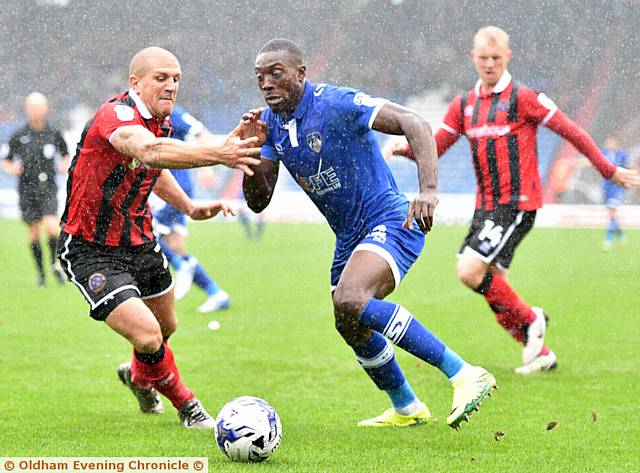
(500,118)
(106,245)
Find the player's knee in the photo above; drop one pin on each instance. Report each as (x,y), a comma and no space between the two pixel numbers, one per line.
(468,275)
(148,342)
(348,303)
(347,308)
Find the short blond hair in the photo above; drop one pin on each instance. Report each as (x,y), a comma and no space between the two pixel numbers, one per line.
(492,34)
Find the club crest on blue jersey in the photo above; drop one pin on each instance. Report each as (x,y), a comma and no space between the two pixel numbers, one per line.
(97,281)
(314,140)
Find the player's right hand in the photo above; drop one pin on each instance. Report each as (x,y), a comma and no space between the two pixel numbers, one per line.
(251,125)
(627,178)
(422,209)
(239,153)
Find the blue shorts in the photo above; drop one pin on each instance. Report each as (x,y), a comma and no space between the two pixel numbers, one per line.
(168,219)
(613,195)
(400,248)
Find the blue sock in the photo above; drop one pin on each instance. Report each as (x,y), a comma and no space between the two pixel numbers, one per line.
(402,396)
(175,260)
(612,228)
(617,230)
(245,222)
(398,325)
(259,228)
(378,360)
(202,279)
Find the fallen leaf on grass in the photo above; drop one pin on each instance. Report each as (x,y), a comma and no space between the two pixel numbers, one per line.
(552,425)
(498,434)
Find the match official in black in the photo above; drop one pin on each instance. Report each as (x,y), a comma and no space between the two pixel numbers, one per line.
(35,153)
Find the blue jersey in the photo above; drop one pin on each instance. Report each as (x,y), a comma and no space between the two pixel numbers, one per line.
(620,158)
(184,124)
(329,148)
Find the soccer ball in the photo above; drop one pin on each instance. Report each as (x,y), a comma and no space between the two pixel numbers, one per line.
(248,429)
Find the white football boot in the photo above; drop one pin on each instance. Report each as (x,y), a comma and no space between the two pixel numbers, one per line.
(184,280)
(218,301)
(534,336)
(469,390)
(194,416)
(539,364)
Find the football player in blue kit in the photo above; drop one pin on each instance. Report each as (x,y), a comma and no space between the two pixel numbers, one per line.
(612,193)
(324,136)
(171,225)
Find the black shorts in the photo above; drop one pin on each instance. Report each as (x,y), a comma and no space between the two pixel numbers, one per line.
(36,202)
(108,276)
(495,234)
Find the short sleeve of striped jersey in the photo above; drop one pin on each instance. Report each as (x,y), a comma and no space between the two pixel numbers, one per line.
(453,120)
(537,107)
(114,115)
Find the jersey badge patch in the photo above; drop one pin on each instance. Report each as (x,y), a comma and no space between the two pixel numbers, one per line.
(314,140)
(97,281)
(503,106)
(124,113)
(49,150)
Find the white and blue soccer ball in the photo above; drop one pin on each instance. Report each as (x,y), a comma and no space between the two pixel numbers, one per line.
(248,429)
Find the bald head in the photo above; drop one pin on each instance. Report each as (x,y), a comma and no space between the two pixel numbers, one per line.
(154,75)
(148,58)
(36,107)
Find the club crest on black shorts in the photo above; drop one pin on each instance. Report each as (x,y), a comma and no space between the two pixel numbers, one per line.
(97,281)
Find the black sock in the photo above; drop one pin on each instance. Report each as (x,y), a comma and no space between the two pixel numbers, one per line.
(37,256)
(53,244)
(151,358)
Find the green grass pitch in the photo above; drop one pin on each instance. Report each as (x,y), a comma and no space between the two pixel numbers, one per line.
(59,393)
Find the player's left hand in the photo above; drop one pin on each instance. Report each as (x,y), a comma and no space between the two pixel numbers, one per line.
(394,147)
(251,125)
(206,211)
(626,178)
(422,209)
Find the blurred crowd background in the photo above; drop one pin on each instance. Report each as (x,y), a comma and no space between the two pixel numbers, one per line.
(583,54)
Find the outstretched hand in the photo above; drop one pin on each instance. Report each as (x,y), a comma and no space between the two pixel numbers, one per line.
(627,178)
(207,211)
(236,152)
(251,125)
(422,209)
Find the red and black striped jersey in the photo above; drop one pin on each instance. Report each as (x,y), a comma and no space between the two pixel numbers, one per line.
(501,127)
(107,191)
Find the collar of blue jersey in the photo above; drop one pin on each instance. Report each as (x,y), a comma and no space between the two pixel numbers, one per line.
(142,108)
(500,86)
(302,107)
